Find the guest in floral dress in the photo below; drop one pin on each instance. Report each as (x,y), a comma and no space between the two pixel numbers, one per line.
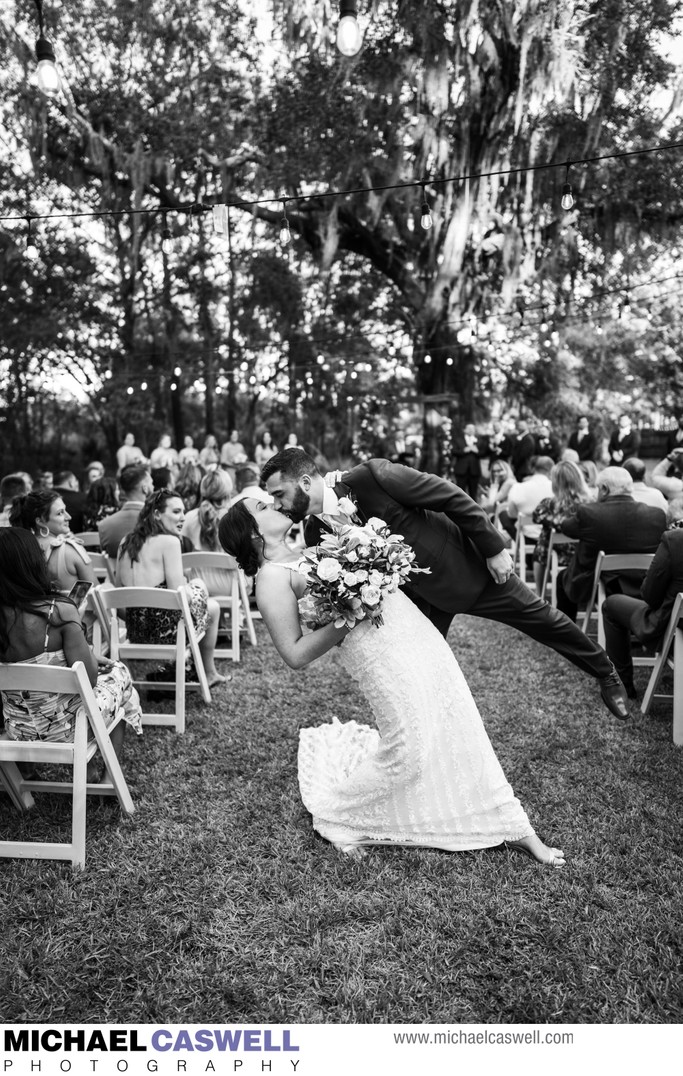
(150,556)
(569,490)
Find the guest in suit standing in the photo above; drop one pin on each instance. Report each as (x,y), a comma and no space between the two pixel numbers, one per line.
(647,616)
(624,442)
(547,443)
(615,523)
(523,450)
(471,571)
(583,441)
(467,460)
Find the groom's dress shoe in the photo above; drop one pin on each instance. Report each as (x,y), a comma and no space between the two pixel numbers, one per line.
(613,694)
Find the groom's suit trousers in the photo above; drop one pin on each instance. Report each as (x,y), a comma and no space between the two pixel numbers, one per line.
(515,604)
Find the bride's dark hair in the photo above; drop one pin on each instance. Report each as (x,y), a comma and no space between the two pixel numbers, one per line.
(241,538)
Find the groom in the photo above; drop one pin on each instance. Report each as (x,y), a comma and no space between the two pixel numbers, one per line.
(471,571)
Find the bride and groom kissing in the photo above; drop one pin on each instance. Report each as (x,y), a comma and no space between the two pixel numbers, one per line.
(427,774)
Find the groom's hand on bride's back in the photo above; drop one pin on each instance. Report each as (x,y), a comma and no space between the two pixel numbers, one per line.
(500,566)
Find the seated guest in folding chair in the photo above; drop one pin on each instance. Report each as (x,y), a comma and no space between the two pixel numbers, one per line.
(41,627)
(615,523)
(201,524)
(647,617)
(150,556)
(526,495)
(569,490)
(44,513)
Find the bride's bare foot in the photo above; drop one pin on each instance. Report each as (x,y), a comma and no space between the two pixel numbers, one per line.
(533,846)
(215,678)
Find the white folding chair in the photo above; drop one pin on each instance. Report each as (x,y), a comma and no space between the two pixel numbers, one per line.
(525,540)
(72,681)
(90,539)
(233,600)
(115,600)
(663,660)
(610,562)
(101,565)
(553,568)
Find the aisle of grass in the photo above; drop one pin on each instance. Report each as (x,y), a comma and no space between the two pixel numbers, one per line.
(216,901)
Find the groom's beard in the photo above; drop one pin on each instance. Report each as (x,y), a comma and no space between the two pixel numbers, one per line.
(300,505)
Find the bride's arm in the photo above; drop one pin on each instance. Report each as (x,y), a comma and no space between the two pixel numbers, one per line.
(278,606)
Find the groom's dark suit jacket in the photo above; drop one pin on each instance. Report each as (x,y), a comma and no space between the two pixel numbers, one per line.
(448,531)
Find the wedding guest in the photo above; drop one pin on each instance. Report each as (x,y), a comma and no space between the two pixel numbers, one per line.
(128,453)
(201,525)
(150,556)
(499,442)
(501,481)
(264,449)
(583,441)
(44,513)
(67,486)
(675,437)
(187,484)
(41,627)
(590,472)
(188,453)
(646,617)
(615,523)
(641,491)
(667,475)
(93,471)
(247,484)
(467,451)
(547,443)
(102,500)
(569,489)
(135,483)
(524,496)
(624,442)
(11,487)
(164,455)
(292,441)
(233,452)
(209,457)
(162,478)
(523,450)
(570,455)
(45,480)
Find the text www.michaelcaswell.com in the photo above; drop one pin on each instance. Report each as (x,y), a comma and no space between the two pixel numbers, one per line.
(460,1037)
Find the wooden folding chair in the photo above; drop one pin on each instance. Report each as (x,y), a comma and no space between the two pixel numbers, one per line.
(524,543)
(72,681)
(663,660)
(233,600)
(553,568)
(115,600)
(90,539)
(610,562)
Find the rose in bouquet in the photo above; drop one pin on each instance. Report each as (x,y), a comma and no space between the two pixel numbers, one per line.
(349,572)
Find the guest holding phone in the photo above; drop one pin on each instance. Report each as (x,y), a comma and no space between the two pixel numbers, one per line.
(44,513)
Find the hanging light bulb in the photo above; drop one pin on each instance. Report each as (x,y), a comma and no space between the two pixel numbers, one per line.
(285,234)
(426,218)
(166,238)
(349,36)
(49,81)
(567,196)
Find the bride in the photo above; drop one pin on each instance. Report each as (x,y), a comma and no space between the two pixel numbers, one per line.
(427,775)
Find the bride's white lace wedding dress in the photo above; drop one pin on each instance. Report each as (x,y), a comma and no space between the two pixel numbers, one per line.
(428,774)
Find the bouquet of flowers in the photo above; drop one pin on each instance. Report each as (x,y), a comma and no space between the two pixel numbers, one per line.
(349,572)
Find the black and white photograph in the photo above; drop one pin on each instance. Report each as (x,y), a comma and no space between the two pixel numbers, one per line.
(341,473)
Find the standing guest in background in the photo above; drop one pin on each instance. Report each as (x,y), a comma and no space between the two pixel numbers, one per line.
(128,453)
(164,455)
(524,497)
(641,491)
(624,442)
(135,483)
(292,441)
(11,487)
(569,490)
(264,449)
(44,513)
(499,442)
(209,457)
(467,461)
(187,484)
(615,523)
(583,440)
(67,486)
(93,471)
(523,449)
(547,444)
(675,437)
(102,500)
(188,453)
(233,453)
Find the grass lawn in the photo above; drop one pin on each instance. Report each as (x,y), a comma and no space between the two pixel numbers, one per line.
(217,902)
